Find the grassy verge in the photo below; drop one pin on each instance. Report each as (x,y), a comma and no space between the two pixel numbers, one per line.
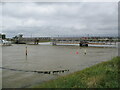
(102,75)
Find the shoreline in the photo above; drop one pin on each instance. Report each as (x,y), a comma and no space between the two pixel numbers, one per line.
(99,71)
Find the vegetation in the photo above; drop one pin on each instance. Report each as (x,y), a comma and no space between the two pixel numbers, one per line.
(102,75)
(45,41)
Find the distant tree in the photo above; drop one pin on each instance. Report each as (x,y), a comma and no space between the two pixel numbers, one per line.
(16,37)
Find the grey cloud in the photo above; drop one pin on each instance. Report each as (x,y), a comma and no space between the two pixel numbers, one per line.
(60,18)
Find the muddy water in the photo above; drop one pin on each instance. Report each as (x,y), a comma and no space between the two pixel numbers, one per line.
(47,58)
(0,66)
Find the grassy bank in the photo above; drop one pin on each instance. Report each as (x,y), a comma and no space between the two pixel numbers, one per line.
(102,75)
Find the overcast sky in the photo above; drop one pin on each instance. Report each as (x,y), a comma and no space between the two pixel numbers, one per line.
(52,19)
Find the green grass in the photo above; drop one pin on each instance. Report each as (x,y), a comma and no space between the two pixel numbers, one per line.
(102,75)
(45,41)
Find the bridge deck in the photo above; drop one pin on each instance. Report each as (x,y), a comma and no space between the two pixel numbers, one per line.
(86,43)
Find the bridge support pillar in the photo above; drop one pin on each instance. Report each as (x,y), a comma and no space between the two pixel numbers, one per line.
(53,43)
(82,44)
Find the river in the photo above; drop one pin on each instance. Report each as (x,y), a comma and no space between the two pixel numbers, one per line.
(47,58)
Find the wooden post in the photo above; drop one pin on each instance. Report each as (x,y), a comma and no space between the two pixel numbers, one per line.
(26,51)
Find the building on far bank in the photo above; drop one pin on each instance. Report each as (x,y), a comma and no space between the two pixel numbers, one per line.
(19,39)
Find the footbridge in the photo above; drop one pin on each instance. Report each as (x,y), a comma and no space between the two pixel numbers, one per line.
(84,41)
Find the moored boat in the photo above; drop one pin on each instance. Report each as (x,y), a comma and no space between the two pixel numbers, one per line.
(5,43)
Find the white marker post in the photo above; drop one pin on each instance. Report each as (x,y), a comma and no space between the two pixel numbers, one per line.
(85,52)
